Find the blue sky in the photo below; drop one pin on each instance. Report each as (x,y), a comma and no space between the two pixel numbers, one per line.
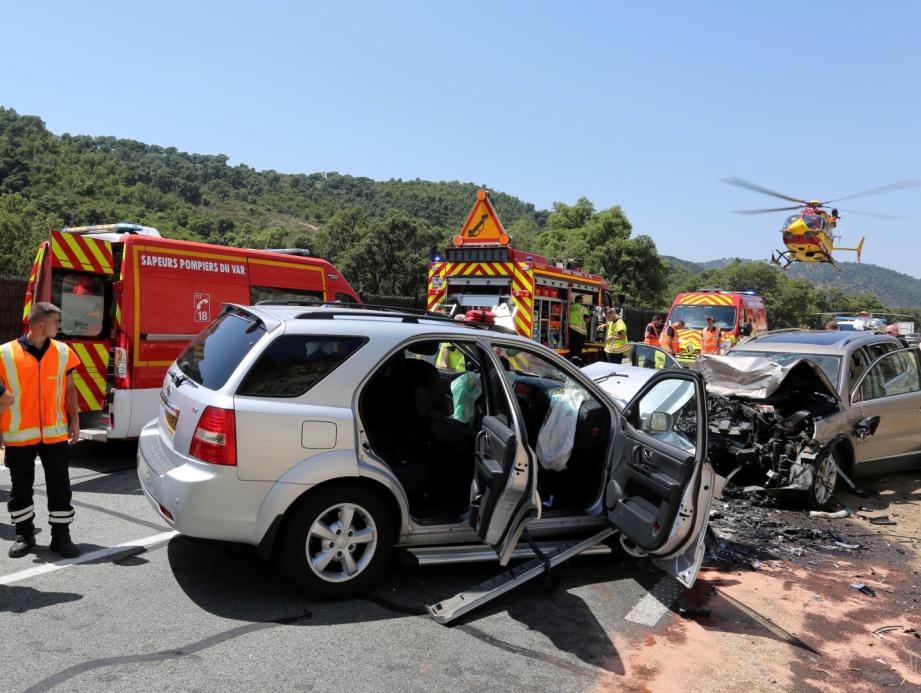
(645,105)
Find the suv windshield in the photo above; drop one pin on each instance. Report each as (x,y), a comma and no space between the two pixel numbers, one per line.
(695,317)
(215,353)
(830,365)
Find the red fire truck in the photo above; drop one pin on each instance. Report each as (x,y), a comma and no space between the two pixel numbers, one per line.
(130,300)
(483,272)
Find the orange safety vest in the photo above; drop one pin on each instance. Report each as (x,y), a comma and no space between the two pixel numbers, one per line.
(710,341)
(651,340)
(671,344)
(39,414)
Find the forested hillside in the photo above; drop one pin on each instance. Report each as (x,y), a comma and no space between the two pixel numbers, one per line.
(48,180)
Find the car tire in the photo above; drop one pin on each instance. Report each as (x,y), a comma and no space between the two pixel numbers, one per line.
(824,479)
(337,541)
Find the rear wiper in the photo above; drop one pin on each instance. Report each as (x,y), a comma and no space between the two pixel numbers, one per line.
(182,378)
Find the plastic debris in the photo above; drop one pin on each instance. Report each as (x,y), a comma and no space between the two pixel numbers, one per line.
(866,589)
(845,545)
(837,515)
(881,520)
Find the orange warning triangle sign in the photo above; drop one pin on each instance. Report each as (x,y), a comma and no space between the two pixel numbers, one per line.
(482,226)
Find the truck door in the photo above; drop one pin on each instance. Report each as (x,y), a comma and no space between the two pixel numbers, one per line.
(659,485)
(503,494)
(81,279)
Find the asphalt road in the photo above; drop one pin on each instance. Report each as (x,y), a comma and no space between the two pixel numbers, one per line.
(145,609)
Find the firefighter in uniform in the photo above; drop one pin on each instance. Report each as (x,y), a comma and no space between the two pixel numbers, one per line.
(615,337)
(710,337)
(42,420)
(578,316)
(669,339)
(652,331)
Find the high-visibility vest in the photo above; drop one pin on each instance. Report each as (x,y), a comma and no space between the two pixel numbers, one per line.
(668,342)
(654,340)
(710,341)
(612,343)
(39,414)
(577,313)
(451,358)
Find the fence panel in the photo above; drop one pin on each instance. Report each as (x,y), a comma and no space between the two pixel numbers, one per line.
(12,297)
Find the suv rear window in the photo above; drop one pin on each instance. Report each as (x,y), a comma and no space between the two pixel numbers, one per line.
(214,354)
(293,364)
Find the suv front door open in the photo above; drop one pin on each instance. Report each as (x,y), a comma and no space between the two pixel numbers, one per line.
(660,486)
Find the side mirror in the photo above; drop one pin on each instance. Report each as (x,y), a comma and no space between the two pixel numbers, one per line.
(660,422)
(867,427)
(746,330)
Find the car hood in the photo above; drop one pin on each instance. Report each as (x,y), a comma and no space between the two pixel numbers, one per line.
(753,377)
(618,381)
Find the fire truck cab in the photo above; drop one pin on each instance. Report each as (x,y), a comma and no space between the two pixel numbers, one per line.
(522,290)
(130,300)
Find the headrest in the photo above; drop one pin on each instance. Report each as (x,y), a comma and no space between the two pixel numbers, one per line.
(423,348)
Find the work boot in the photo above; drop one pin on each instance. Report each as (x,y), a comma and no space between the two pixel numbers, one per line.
(25,540)
(61,543)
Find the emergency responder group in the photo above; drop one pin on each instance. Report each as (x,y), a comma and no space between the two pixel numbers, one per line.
(38,418)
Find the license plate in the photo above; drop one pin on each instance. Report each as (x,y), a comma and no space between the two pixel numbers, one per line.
(171,416)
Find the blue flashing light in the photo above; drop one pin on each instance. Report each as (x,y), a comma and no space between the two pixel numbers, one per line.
(437,258)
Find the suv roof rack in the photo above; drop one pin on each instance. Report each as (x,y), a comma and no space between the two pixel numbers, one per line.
(410,315)
(781,330)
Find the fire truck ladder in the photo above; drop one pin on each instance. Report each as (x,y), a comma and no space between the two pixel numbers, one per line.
(463,602)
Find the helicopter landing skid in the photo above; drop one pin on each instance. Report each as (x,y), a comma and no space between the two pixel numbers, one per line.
(781,259)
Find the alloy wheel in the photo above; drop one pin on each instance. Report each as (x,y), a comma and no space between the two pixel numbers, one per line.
(341,542)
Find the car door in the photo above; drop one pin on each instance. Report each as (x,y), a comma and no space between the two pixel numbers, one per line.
(648,356)
(889,392)
(660,484)
(503,493)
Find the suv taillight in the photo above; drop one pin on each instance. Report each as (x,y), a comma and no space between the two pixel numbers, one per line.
(215,438)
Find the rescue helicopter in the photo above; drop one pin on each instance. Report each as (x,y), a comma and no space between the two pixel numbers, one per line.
(809,235)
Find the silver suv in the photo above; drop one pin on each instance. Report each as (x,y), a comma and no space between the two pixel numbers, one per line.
(328,435)
(861,414)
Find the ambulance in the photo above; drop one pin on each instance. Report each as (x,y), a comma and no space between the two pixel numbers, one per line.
(732,311)
(522,290)
(130,300)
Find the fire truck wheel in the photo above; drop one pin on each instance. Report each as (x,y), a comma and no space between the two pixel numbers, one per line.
(337,541)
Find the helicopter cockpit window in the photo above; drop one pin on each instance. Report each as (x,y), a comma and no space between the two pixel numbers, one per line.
(790,220)
(813,221)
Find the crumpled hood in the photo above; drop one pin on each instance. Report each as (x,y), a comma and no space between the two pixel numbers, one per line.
(753,377)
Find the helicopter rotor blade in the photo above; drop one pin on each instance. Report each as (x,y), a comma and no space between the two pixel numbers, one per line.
(877,215)
(901,185)
(765,211)
(740,183)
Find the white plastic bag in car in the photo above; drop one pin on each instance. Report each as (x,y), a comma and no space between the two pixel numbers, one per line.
(558,432)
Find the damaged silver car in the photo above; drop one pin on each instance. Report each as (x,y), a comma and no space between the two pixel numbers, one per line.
(794,411)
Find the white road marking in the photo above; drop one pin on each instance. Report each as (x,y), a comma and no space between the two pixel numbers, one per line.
(655,604)
(647,611)
(87,557)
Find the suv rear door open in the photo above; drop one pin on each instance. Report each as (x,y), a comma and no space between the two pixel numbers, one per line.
(503,494)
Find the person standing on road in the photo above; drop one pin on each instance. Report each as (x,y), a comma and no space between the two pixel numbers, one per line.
(42,420)
(710,337)
(615,337)
(578,316)
(651,335)
(670,340)
(831,326)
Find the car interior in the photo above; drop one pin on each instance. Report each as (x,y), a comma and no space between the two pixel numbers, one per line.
(417,420)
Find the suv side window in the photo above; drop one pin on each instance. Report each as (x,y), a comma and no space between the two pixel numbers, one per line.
(294,363)
(877,350)
(894,374)
(857,366)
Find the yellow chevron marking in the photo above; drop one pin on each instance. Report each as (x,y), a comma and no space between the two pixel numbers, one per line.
(61,257)
(88,396)
(97,247)
(75,248)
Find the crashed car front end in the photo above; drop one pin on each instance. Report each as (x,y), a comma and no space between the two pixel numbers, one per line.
(770,425)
